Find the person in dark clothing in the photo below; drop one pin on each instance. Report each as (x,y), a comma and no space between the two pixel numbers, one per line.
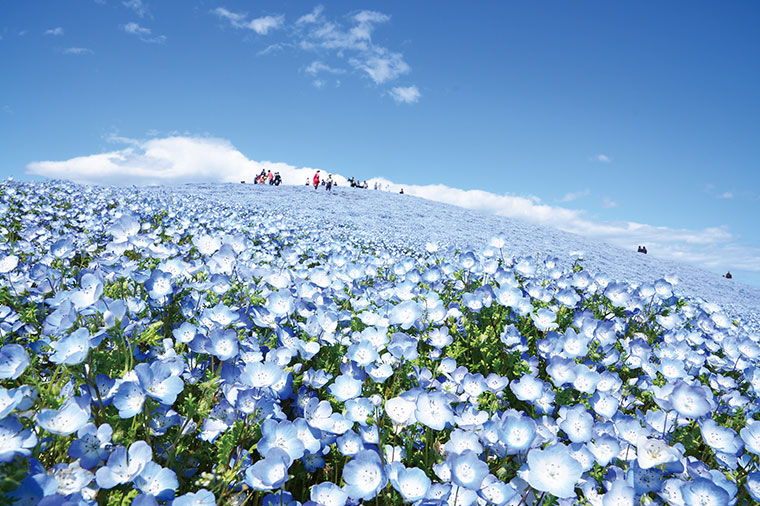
(329,184)
(277,179)
(728,275)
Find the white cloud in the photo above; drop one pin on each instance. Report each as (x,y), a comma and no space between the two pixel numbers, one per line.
(601,158)
(311,17)
(319,83)
(608,203)
(77,50)
(381,66)
(184,159)
(725,195)
(54,31)
(167,160)
(316,67)
(262,25)
(142,33)
(137,6)
(408,95)
(569,197)
(346,40)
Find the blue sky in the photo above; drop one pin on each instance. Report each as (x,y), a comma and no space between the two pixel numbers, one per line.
(633,122)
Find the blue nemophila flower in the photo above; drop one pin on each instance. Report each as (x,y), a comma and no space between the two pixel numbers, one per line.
(270,472)
(159,381)
(434,410)
(553,470)
(160,482)
(202,497)
(721,439)
(223,344)
(403,346)
(496,491)
(412,483)
(16,441)
(400,410)
(750,434)
(9,400)
(363,353)
(561,370)
(654,452)
(518,432)
(358,410)
(71,478)
(128,399)
(577,423)
(91,288)
(604,448)
(544,319)
(619,493)
(349,444)
(13,361)
(604,404)
(753,485)
(261,374)
(280,303)
(207,244)
(69,418)
(467,470)
(34,488)
(91,445)
(159,285)
(364,475)
(8,263)
(405,314)
(690,401)
(71,349)
(124,465)
(528,388)
(328,494)
(462,440)
(345,387)
(185,333)
(704,492)
(282,435)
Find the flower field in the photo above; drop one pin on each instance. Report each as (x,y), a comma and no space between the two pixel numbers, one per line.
(192,345)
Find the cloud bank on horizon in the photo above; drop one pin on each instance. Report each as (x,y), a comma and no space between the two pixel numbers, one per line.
(187,159)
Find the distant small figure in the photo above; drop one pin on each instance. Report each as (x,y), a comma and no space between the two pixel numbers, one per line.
(728,275)
(402,191)
(642,249)
(242,182)
(278,179)
(316,180)
(307,181)
(329,184)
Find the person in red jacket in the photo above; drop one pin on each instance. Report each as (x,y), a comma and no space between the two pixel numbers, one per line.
(315,181)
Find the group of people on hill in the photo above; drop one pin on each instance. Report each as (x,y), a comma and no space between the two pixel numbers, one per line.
(266,176)
(355,183)
(327,183)
(643,249)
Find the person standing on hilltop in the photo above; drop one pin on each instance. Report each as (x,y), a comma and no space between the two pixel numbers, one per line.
(315,180)
(329,184)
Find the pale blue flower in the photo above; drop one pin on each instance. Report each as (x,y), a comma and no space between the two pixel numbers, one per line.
(364,476)
(13,361)
(553,470)
(69,418)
